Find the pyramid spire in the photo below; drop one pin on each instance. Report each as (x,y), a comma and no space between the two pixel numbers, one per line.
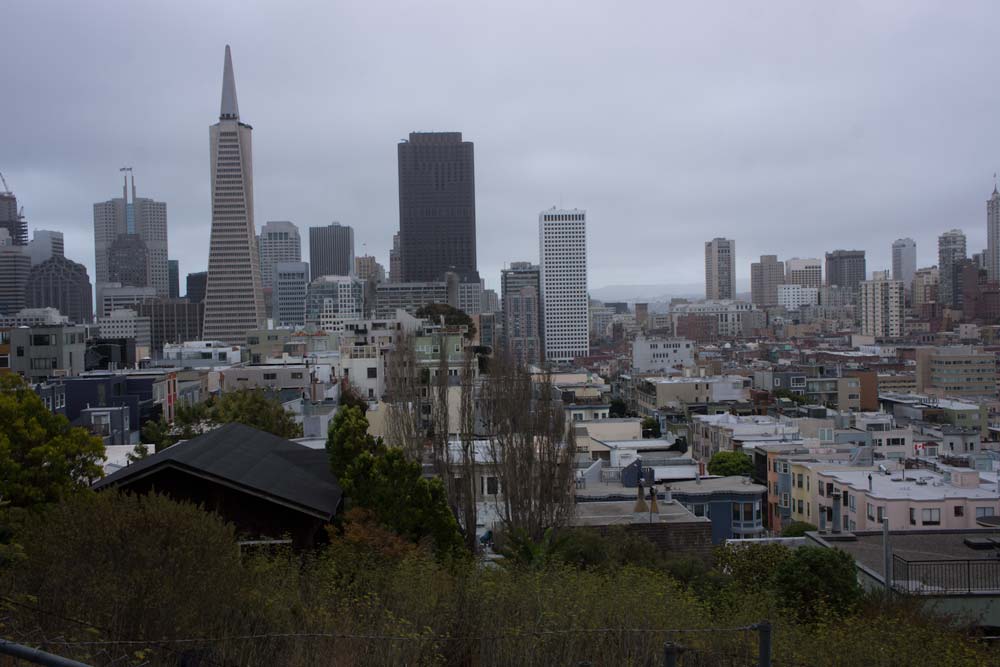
(230,108)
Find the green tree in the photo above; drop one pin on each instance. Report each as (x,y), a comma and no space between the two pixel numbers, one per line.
(797,529)
(350,396)
(394,488)
(253,408)
(726,464)
(453,317)
(812,578)
(651,427)
(618,409)
(42,458)
(348,439)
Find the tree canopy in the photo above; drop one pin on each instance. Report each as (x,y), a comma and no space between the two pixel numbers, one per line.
(453,317)
(651,427)
(726,464)
(42,458)
(797,529)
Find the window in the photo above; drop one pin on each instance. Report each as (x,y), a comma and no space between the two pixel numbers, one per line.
(784,500)
(492,486)
(748,511)
(959,510)
(798,480)
(930,517)
(881,514)
(270,376)
(800,505)
(984,511)
(296,376)
(372,372)
(913,516)
(871,512)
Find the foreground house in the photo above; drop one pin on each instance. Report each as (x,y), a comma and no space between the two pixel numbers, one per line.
(267,486)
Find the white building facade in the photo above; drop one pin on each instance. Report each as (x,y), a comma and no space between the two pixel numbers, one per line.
(793,296)
(279,241)
(562,240)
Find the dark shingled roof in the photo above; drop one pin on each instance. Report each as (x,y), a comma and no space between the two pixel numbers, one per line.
(256,461)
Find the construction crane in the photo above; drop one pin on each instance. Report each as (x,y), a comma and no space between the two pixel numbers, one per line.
(6,190)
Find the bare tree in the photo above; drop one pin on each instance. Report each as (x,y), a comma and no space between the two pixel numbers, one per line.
(531,452)
(405,398)
(466,473)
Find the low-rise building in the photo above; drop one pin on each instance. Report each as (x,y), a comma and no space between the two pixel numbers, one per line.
(653,393)
(650,355)
(42,352)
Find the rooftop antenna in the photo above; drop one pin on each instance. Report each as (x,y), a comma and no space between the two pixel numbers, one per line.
(126,171)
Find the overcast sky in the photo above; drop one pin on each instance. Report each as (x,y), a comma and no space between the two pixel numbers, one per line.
(794,128)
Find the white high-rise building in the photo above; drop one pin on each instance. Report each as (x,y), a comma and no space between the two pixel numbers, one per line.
(793,296)
(883,304)
(720,269)
(278,242)
(993,235)
(904,260)
(46,244)
(234,298)
(805,272)
(562,251)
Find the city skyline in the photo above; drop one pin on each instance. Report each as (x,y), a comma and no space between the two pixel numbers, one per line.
(892,178)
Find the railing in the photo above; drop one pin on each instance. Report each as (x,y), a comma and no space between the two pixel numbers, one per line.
(932,577)
(611,475)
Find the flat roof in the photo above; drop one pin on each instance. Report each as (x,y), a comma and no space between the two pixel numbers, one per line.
(893,487)
(620,512)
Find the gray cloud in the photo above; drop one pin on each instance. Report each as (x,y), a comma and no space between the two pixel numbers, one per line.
(794,129)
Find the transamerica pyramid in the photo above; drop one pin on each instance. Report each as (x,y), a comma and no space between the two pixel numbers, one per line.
(234,299)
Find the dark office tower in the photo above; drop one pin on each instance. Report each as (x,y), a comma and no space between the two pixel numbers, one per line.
(437,207)
(331,250)
(196,286)
(174,273)
(128,261)
(62,284)
(15,265)
(11,218)
(846,268)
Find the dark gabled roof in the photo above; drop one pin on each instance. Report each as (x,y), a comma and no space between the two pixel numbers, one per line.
(254,461)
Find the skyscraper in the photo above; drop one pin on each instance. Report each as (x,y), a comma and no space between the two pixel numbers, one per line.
(765,276)
(720,269)
(951,252)
(139,216)
(520,291)
(331,250)
(904,260)
(63,284)
(562,241)
(993,235)
(44,244)
(11,219)
(846,268)
(195,287)
(367,267)
(805,272)
(234,298)
(437,207)
(15,265)
(395,261)
(291,283)
(128,262)
(279,241)
(882,307)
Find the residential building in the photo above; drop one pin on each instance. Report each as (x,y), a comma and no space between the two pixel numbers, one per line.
(793,296)
(805,272)
(600,320)
(172,321)
(724,432)
(29,317)
(650,355)
(470,297)
(925,286)
(733,504)
(653,393)
(904,260)
(45,244)
(331,250)
(333,300)
(196,282)
(846,268)
(278,242)
(39,353)
(562,240)
(138,216)
(729,319)
(720,269)
(951,253)
(883,307)
(15,267)
(520,293)
(993,235)
(291,284)
(437,207)
(203,353)
(765,277)
(234,297)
